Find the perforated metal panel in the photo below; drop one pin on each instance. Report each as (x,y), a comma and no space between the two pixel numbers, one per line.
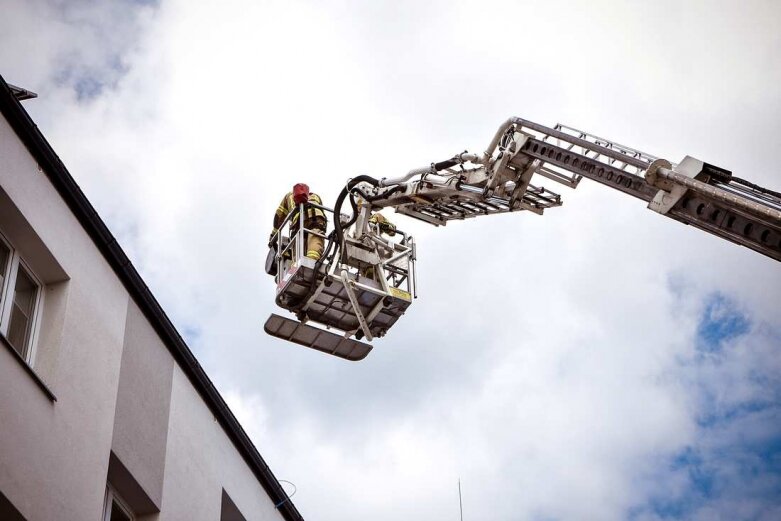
(315,338)
(331,306)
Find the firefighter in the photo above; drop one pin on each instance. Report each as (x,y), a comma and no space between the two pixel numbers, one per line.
(314,219)
(384,225)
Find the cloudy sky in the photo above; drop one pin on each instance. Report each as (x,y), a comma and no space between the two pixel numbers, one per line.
(598,362)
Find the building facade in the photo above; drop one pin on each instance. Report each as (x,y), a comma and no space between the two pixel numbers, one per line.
(104,412)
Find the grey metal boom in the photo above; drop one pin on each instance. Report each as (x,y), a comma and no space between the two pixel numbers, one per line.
(364,280)
(500,180)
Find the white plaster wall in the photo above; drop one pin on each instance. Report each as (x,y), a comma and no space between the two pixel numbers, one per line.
(54,457)
(201,461)
(143,401)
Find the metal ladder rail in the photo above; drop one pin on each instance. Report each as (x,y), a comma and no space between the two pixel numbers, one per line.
(536,197)
(750,193)
(729,210)
(624,169)
(607,143)
(574,141)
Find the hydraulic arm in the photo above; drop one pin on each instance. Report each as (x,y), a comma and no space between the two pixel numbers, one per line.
(365,281)
(503,179)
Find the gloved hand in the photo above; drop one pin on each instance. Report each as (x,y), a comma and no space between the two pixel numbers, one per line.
(388,228)
(272,239)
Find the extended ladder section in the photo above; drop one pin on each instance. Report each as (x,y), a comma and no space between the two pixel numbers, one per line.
(508,176)
(365,279)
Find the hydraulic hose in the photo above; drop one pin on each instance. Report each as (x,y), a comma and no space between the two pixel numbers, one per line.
(433,167)
(384,195)
(346,191)
(446,164)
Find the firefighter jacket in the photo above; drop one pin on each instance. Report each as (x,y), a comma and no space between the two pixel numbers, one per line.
(288,205)
(383,224)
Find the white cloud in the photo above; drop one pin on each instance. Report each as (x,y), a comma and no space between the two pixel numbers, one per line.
(550,362)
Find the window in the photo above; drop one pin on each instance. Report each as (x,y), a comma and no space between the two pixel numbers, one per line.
(115,508)
(8,511)
(229,510)
(5,252)
(20,301)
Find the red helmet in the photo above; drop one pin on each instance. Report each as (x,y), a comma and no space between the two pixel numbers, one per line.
(300,193)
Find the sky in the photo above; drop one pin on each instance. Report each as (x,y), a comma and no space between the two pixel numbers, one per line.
(596,362)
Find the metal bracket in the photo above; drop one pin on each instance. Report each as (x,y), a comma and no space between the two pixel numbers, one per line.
(523,182)
(362,222)
(500,172)
(670,192)
(348,288)
(316,293)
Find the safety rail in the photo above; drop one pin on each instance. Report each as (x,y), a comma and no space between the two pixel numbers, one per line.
(297,246)
(369,263)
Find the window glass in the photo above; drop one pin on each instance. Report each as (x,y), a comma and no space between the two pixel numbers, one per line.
(4,254)
(115,508)
(19,328)
(118,513)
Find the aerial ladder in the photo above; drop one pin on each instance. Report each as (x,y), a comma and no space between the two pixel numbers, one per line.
(365,280)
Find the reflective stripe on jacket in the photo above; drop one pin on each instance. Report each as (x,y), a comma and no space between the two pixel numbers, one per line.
(384,224)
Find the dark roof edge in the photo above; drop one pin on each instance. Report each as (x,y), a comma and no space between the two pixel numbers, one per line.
(59,176)
(21,94)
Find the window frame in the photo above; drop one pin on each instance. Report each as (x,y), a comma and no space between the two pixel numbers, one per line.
(108,502)
(7,273)
(7,300)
